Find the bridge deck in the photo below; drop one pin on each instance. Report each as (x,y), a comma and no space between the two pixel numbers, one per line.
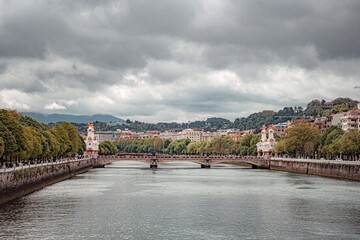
(255,161)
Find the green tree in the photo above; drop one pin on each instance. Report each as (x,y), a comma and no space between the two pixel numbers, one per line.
(63,139)
(301,139)
(53,143)
(74,138)
(107,148)
(313,108)
(2,147)
(193,148)
(349,144)
(10,145)
(222,145)
(327,146)
(10,120)
(247,145)
(34,147)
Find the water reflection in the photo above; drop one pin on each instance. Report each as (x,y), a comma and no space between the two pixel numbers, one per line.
(128,200)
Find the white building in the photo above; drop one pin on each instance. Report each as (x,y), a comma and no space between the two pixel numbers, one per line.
(351,120)
(92,144)
(336,119)
(168,135)
(189,134)
(266,144)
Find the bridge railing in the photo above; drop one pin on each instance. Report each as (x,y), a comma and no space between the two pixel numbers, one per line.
(182,157)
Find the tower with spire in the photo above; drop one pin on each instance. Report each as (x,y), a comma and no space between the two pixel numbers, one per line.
(92,144)
(267,141)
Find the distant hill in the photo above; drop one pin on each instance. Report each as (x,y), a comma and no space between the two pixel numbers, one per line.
(72,118)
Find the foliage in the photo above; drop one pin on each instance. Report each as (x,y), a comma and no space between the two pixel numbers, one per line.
(2,147)
(107,148)
(348,102)
(301,139)
(327,143)
(253,121)
(256,120)
(314,108)
(148,145)
(23,138)
(221,145)
(349,143)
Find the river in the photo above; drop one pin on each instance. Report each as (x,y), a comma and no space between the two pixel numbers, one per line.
(127,200)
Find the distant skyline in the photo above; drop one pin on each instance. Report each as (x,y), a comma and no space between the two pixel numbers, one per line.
(176,60)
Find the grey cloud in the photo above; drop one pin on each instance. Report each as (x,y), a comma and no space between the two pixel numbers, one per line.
(58,48)
(3,67)
(26,32)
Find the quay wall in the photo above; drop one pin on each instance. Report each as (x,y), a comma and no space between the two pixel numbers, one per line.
(348,171)
(19,182)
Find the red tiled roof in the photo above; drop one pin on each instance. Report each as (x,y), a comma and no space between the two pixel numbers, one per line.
(354,111)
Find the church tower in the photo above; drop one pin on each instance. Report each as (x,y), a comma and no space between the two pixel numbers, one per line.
(92,144)
(266,144)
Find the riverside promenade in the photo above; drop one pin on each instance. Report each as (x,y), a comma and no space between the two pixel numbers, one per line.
(348,170)
(21,180)
(27,166)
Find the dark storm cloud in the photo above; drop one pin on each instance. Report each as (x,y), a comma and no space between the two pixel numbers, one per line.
(264,30)
(54,48)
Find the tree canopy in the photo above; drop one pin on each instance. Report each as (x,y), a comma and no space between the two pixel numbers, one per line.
(22,138)
(107,148)
(223,145)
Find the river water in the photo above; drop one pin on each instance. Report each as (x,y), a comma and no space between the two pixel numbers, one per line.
(127,200)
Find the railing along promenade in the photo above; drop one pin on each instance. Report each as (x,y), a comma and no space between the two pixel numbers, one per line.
(3,168)
(310,160)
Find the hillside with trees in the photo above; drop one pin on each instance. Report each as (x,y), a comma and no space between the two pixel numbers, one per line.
(53,118)
(314,108)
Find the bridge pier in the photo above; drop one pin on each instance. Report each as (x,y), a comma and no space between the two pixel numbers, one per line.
(206,164)
(154,163)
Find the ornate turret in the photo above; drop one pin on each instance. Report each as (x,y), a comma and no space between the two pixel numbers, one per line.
(92,145)
(266,144)
(271,134)
(263,134)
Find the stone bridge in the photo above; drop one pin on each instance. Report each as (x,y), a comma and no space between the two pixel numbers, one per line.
(204,161)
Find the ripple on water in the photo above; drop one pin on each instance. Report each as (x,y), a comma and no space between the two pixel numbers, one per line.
(127,200)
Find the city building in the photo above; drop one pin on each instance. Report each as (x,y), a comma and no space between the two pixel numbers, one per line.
(105,136)
(328,105)
(279,129)
(189,134)
(207,136)
(351,120)
(336,119)
(171,135)
(321,123)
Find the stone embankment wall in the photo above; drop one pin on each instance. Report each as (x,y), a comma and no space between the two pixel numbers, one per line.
(349,171)
(20,182)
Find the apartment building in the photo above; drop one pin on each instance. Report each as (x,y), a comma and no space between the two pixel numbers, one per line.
(279,129)
(190,134)
(351,120)
(102,136)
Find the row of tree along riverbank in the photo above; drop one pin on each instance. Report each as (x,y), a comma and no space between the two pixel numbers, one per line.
(24,140)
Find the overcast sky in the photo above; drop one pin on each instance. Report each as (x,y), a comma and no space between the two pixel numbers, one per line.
(153,60)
